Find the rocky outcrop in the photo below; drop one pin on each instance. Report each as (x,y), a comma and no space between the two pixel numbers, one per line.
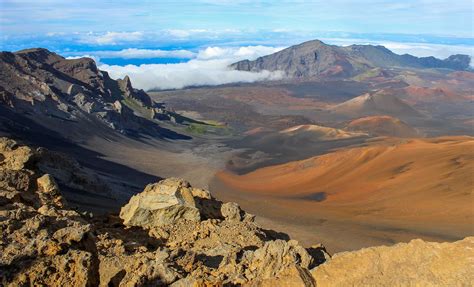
(172,234)
(41,243)
(175,235)
(40,83)
(139,96)
(416,263)
(160,204)
(57,176)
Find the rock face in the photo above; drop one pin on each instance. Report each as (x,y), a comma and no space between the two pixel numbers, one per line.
(57,170)
(231,211)
(317,59)
(38,82)
(416,263)
(175,235)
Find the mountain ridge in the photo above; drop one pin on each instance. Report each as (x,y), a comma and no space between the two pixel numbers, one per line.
(318,59)
(39,83)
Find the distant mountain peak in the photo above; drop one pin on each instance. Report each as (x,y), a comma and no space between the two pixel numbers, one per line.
(320,60)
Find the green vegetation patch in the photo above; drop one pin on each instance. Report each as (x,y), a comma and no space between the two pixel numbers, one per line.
(138,108)
(209,127)
(367,75)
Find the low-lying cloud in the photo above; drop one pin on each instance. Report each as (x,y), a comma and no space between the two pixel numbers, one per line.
(209,66)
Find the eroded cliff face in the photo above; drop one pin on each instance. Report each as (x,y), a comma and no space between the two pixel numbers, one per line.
(39,83)
(174,234)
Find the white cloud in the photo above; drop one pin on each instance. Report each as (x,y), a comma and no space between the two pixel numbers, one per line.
(133,53)
(239,53)
(95,58)
(179,33)
(112,38)
(192,73)
(209,68)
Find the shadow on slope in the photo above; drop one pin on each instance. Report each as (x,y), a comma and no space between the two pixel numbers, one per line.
(117,176)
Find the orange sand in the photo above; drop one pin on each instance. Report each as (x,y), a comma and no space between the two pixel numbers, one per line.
(421,185)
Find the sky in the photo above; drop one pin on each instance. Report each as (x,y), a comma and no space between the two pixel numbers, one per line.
(165,38)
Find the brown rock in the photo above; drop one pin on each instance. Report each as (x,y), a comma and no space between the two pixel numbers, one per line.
(50,191)
(275,257)
(136,270)
(293,276)
(13,156)
(416,263)
(160,204)
(231,211)
(71,269)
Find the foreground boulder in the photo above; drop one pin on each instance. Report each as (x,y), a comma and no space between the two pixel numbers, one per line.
(160,204)
(174,234)
(416,263)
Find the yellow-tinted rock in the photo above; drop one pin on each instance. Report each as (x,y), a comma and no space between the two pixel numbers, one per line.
(416,263)
(161,203)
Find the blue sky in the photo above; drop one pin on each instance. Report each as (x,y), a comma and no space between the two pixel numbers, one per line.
(146,32)
(79,21)
(452,18)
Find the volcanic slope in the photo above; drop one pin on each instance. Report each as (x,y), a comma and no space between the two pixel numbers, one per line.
(383,126)
(264,148)
(378,103)
(418,186)
(318,132)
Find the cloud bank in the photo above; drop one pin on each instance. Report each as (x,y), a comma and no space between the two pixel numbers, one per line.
(209,67)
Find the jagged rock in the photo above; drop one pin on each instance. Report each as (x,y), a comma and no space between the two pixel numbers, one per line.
(161,204)
(71,269)
(201,193)
(139,96)
(275,257)
(118,106)
(41,86)
(71,234)
(231,211)
(82,102)
(416,263)
(74,89)
(50,193)
(13,157)
(294,276)
(135,270)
